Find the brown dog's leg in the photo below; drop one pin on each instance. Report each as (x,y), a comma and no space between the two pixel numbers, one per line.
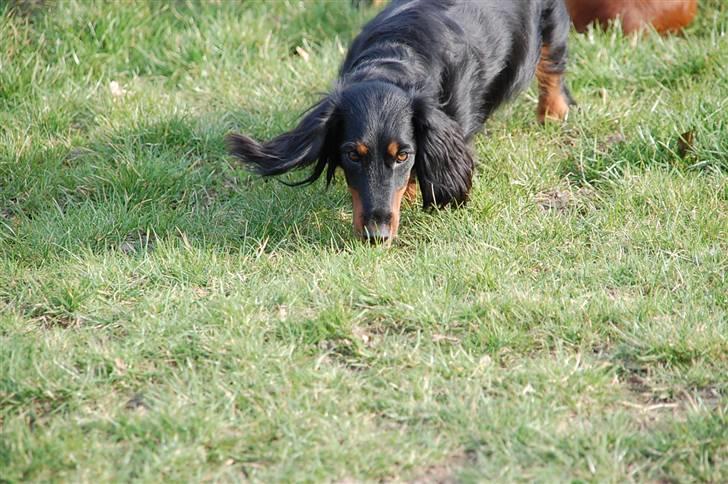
(553,103)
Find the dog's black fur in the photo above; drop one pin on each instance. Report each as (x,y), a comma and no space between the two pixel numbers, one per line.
(424,75)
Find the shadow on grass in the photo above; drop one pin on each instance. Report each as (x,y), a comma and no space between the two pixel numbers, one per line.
(165,179)
(699,149)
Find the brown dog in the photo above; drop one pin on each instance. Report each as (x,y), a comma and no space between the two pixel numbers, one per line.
(666,16)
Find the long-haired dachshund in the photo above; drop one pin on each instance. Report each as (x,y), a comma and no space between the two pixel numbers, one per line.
(417,84)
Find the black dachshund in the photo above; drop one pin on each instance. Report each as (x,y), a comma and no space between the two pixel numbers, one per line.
(417,84)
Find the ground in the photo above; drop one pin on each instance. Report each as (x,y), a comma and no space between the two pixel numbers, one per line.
(165,315)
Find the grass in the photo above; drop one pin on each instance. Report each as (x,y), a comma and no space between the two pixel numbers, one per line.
(163,314)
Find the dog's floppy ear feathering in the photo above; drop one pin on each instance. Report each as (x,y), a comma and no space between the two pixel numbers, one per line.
(444,164)
(312,141)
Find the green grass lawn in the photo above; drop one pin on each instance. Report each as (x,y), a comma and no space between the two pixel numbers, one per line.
(166,316)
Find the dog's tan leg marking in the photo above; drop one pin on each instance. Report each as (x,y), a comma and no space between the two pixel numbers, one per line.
(552,102)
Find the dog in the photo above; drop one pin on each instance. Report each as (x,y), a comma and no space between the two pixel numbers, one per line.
(417,84)
(666,16)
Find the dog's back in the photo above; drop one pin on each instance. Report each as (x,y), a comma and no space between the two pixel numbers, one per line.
(473,54)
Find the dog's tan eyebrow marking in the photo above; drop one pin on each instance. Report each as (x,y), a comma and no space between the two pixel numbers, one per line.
(393,149)
(362,149)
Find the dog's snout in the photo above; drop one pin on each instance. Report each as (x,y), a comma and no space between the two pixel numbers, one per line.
(380,217)
(377,233)
(378,228)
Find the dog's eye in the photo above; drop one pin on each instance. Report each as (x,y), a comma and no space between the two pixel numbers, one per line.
(353,155)
(402,156)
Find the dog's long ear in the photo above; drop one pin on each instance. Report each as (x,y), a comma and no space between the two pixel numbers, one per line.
(311,141)
(444,163)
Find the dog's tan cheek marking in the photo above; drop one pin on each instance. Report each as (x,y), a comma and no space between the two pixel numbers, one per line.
(396,205)
(362,149)
(393,149)
(410,191)
(552,103)
(358,209)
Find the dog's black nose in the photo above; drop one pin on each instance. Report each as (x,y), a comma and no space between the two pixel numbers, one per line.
(377,233)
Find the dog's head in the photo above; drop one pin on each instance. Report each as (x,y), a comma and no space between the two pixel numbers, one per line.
(380,136)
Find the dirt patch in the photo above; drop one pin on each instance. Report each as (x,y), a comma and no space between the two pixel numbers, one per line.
(649,394)
(137,403)
(444,472)
(559,200)
(686,144)
(8,219)
(27,7)
(343,352)
(602,349)
(49,317)
(652,402)
(77,154)
(556,200)
(444,338)
(209,196)
(137,242)
(366,336)
(612,140)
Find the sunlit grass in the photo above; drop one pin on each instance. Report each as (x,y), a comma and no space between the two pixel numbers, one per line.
(163,314)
